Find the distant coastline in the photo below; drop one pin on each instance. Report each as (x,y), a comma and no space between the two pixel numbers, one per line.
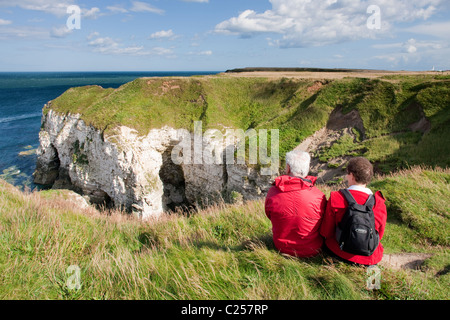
(281,69)
(278,69)
(323,73)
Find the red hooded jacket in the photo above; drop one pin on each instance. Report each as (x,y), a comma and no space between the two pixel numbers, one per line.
(296,207)
(336,208)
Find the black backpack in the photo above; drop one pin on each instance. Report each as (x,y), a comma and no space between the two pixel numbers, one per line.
(356,232)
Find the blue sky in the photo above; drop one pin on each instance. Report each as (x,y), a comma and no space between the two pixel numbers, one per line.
(216,35)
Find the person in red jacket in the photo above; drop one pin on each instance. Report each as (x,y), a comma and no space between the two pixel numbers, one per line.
(359,174)
(296,207)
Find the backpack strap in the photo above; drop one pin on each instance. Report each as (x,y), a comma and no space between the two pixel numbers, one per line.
(370,202)
(348,196)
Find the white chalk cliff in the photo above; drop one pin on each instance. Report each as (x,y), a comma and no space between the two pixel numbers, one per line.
(133,172)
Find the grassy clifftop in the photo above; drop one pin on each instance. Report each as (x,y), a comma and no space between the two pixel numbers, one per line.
(406,119)
(223,252)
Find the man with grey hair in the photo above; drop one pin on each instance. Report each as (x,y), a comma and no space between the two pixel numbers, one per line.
(296,208)
(297,163)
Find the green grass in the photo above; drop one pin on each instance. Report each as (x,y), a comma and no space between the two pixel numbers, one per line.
(428,211)
(387,106)
(222,252)
(387,110)
(345,146)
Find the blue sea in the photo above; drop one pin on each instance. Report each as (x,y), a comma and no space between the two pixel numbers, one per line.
(22,97)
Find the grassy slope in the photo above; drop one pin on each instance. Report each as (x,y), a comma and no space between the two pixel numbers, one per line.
(223,252)
(387,107)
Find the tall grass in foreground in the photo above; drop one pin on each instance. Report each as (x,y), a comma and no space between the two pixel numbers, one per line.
(222,252)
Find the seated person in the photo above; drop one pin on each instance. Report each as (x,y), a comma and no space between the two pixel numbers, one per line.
(296,207)
(359,174)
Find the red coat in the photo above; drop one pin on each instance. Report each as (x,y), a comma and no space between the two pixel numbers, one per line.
(336,208)
(296,208)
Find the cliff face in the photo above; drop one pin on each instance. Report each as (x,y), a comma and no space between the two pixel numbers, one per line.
(133,172)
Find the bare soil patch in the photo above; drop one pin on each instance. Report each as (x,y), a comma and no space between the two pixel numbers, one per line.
(400,261)
(338,125)
(324,138)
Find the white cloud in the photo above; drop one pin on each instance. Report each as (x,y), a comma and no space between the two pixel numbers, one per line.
(303,23)
(414,51)
(410,46)
(107,45)
(59,7)
(23,32)
(92,13)
(203,1)
(55,7)
(413,45)
(138,6)
(435,29)
(4,22)
(387,45)
(160,51)
(103,42)
(117,9)
(164,34)
(201,53)
(93,35)
(60,32)
(250,22)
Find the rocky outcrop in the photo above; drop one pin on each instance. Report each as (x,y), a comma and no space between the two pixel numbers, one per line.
(338,125)
(136,173)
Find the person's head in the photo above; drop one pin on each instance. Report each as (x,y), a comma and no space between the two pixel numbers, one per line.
(359,171)
(297,163)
